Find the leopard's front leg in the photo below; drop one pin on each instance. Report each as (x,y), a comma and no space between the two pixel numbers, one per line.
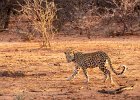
(74,73)
(85,73)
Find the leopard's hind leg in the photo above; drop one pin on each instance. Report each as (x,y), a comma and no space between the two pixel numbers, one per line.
(107,74)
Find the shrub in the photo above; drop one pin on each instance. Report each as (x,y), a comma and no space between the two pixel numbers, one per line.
(41,14)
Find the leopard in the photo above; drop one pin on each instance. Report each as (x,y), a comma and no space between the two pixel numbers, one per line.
(91,60)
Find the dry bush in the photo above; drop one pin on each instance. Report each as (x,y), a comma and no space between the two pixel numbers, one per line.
(40,15)
(104,17)
(122,20)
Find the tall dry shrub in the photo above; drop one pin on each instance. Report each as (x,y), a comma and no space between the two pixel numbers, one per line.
(41,14)
(121,19)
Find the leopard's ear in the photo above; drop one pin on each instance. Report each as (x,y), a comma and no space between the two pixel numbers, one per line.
(74,51)
(70,49)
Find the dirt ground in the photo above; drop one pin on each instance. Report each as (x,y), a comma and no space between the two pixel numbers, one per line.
(45,71)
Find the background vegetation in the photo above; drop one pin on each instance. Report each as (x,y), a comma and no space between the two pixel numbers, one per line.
(68,17)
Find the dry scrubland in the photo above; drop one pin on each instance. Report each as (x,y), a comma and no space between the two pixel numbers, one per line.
(45,71)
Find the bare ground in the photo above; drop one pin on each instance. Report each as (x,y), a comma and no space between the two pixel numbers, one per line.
(46,70)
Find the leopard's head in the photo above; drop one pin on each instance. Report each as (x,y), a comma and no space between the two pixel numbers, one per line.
(69,53)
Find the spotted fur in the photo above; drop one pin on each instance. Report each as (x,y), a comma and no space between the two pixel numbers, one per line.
(91,60)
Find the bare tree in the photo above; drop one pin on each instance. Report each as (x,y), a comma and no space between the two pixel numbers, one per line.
(41,15)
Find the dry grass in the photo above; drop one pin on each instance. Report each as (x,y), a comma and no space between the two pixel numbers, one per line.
(46,71)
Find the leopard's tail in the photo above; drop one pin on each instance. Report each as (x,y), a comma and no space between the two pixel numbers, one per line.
(117,73)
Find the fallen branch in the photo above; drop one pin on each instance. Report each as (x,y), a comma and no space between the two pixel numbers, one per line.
(116,91)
